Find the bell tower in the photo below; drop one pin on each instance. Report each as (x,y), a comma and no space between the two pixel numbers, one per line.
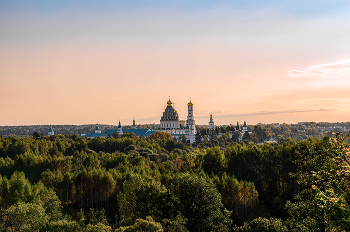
(190,123)
(51,132)
(120,130)
(133,124)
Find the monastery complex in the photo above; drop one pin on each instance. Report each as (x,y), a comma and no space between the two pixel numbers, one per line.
(169,123)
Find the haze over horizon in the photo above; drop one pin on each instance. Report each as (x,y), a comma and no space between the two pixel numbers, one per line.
(85,62)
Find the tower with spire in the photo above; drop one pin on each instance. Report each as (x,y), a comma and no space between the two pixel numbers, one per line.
(237,127)
(120,130)
(51,132)
(97,130)
(211,127)
(133,124)
(244,128)
(190,123)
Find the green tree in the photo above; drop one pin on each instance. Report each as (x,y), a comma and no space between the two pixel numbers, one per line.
(141,197)
(23,217)
(214,161)
(99,227)
(246,137)
(115,135)
(198,137)
(205,138)
(323,175)
(36,135)
(141,225)
(331,185)
(263,225)
(159,136)
(199,201)
(178,224)
(183,139)
(135,159)
(259,133)
(64,225)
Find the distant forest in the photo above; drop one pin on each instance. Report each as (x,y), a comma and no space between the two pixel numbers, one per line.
(27,131)
(157,183)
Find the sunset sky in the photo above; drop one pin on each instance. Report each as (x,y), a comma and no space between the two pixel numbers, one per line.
(82,62)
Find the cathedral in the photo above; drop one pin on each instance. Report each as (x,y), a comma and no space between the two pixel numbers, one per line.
(170,122)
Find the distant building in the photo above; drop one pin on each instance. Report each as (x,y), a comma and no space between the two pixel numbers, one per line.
(244,128)
(119,130)
(211,127)
(97,130)
(171,123)
(51,132)
(133,124)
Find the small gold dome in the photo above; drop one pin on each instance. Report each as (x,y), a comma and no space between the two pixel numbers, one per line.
(169,102)
(190,103)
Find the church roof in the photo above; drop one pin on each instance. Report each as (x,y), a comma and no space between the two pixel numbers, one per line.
(50,130)
(89,135)
(170,114)
(138,132)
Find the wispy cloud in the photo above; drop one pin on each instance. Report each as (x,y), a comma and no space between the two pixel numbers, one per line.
(339,69)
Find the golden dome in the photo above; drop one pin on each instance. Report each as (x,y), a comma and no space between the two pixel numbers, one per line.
(190,103)
(169,102)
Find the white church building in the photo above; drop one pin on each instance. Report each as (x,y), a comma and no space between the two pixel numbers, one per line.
(170,122)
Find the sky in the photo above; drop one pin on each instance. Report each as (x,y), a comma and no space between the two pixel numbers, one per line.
(83,62)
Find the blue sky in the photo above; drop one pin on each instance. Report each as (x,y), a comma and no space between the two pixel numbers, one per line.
(307,8)
(39,21)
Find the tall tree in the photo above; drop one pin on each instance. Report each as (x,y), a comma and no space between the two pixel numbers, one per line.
(199,201)
(141,197)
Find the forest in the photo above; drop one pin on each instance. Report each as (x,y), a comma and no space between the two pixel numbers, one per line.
(156,183)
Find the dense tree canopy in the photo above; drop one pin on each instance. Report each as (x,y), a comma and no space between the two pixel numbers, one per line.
(125,183)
